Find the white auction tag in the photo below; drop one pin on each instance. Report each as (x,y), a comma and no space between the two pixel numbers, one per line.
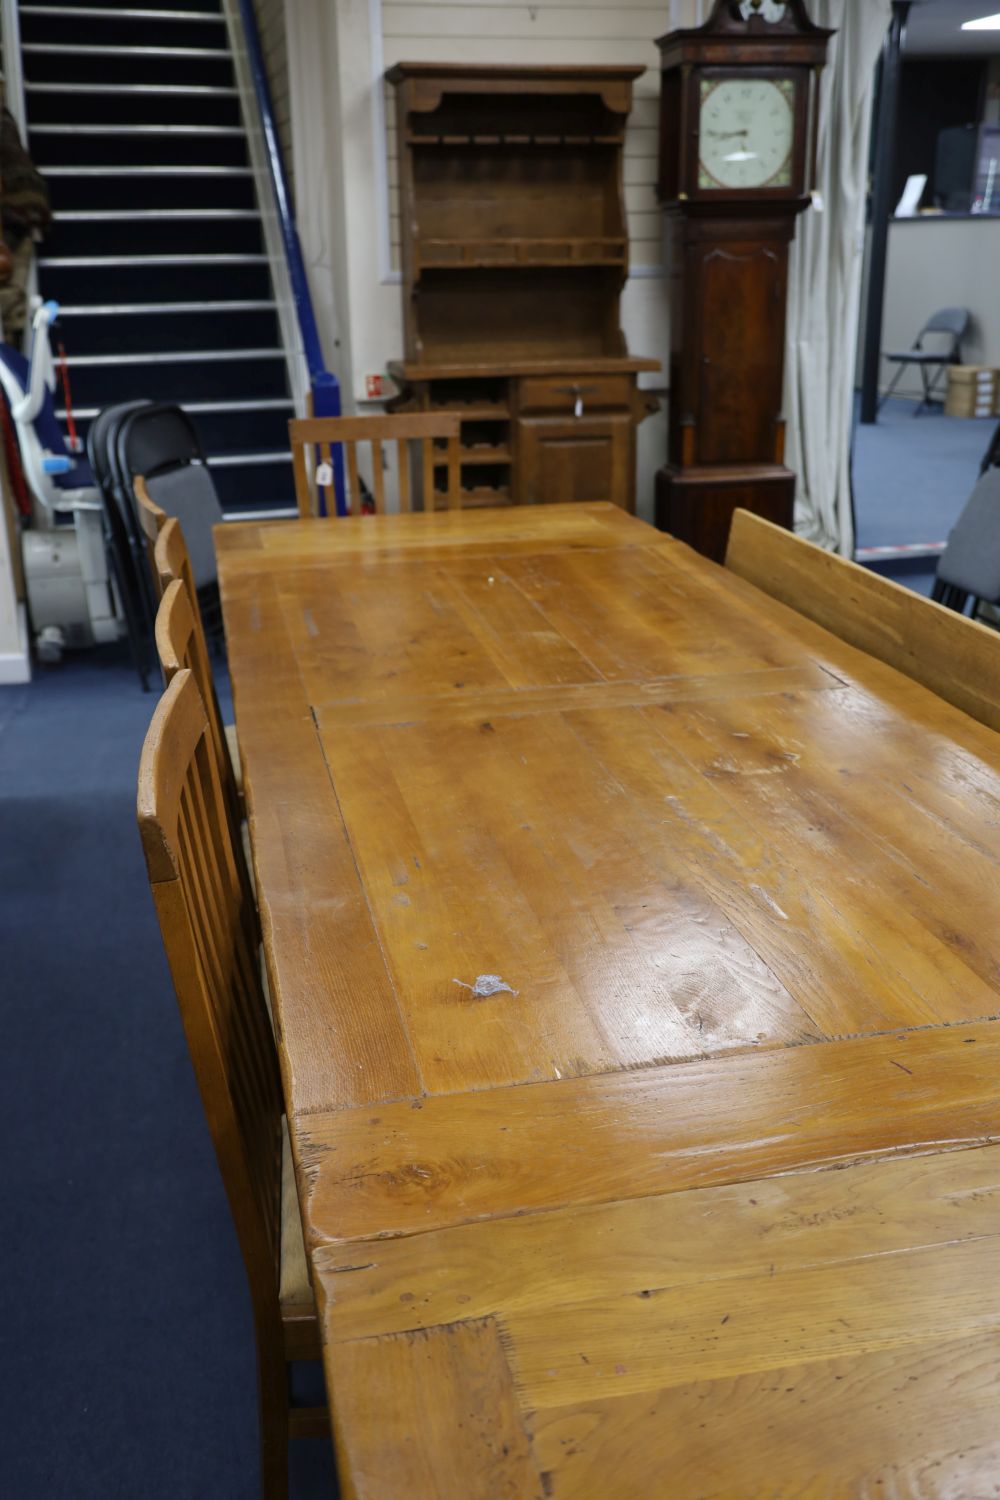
(324,476)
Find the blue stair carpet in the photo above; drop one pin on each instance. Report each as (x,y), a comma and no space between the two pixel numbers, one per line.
(127,1344)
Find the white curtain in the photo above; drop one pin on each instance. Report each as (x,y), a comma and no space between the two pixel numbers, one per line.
(824,283)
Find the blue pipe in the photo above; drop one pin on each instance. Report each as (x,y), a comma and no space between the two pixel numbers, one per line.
(324,384)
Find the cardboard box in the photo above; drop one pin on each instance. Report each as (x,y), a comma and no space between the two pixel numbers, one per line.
(972,391)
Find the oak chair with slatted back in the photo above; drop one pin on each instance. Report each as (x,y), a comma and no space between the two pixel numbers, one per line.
(180,645)
(210,934)
(436,432)
(953,656)
(186,646)
(152,519)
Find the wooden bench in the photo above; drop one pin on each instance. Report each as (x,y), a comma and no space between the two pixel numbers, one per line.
(957,658)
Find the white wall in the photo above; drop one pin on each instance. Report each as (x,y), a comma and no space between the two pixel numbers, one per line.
(345,153)
(936,262)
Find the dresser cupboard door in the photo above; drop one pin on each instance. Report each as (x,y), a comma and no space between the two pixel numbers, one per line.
(574,459)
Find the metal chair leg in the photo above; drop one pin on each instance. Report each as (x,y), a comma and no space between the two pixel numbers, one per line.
(900,367)
(925,400)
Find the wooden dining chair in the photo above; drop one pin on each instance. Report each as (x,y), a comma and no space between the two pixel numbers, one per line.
(180,645)
(210,933)
(188,646)
(436,432)
(152,519)
(953,656)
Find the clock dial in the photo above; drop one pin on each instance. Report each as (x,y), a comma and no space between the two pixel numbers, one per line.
(745,134)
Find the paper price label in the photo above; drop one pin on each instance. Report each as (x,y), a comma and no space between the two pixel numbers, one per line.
(324,476)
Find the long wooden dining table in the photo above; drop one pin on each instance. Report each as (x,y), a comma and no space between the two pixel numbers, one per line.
(634,950)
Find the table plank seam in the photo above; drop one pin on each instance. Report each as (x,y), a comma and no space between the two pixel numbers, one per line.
(688,1059)
(572,697)
(366,1174)
(371,913)
(312,1153)
(494,1314)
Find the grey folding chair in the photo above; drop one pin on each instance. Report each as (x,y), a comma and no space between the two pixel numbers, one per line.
(991,458)
(950,324)
(969,566)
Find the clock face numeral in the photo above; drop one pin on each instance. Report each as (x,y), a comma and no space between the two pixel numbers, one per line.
(745,133)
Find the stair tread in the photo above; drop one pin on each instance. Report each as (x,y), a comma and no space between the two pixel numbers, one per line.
(252,456)
(128,215)
(104,12)
(234,259)
(83,49)
(175,356)
(200,408)
(130,88)
(68,128)
(106,309)
(183,169)
(161,296)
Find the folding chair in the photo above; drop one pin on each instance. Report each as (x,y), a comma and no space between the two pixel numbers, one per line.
(969,566)
(948,322)
(159,443)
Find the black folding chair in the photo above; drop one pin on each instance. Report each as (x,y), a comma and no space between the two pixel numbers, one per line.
(950,324)
(969,566)
(127,567)
(159,442)
(991,458)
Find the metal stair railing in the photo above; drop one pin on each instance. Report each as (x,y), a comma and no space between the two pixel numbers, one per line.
(314,386)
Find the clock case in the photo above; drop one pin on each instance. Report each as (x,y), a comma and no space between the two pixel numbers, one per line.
(727,262)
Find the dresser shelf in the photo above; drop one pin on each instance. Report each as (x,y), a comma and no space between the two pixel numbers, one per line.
(455,255)
(515,252)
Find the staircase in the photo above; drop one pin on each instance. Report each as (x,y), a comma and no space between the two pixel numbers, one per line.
(156,254)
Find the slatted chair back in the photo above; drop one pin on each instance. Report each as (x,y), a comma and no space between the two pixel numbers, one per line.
(181,646)
(209,931)
(437,433)
(170,554)
(953,656)
(152,519)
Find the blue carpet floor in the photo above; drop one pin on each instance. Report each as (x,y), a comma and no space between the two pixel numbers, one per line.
(127,1346)
(912,475)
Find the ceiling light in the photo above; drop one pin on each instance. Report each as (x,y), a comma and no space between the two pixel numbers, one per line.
(985,23)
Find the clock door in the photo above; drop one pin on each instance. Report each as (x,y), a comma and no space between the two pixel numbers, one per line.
(739,291)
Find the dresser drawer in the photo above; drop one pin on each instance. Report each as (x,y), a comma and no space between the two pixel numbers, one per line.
(560,393)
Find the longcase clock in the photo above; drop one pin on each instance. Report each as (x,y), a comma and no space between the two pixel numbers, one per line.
(737,154)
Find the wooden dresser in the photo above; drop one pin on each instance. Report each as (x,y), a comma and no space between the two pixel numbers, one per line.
(515,251)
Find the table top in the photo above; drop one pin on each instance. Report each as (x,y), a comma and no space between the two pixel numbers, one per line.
(701,1178)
